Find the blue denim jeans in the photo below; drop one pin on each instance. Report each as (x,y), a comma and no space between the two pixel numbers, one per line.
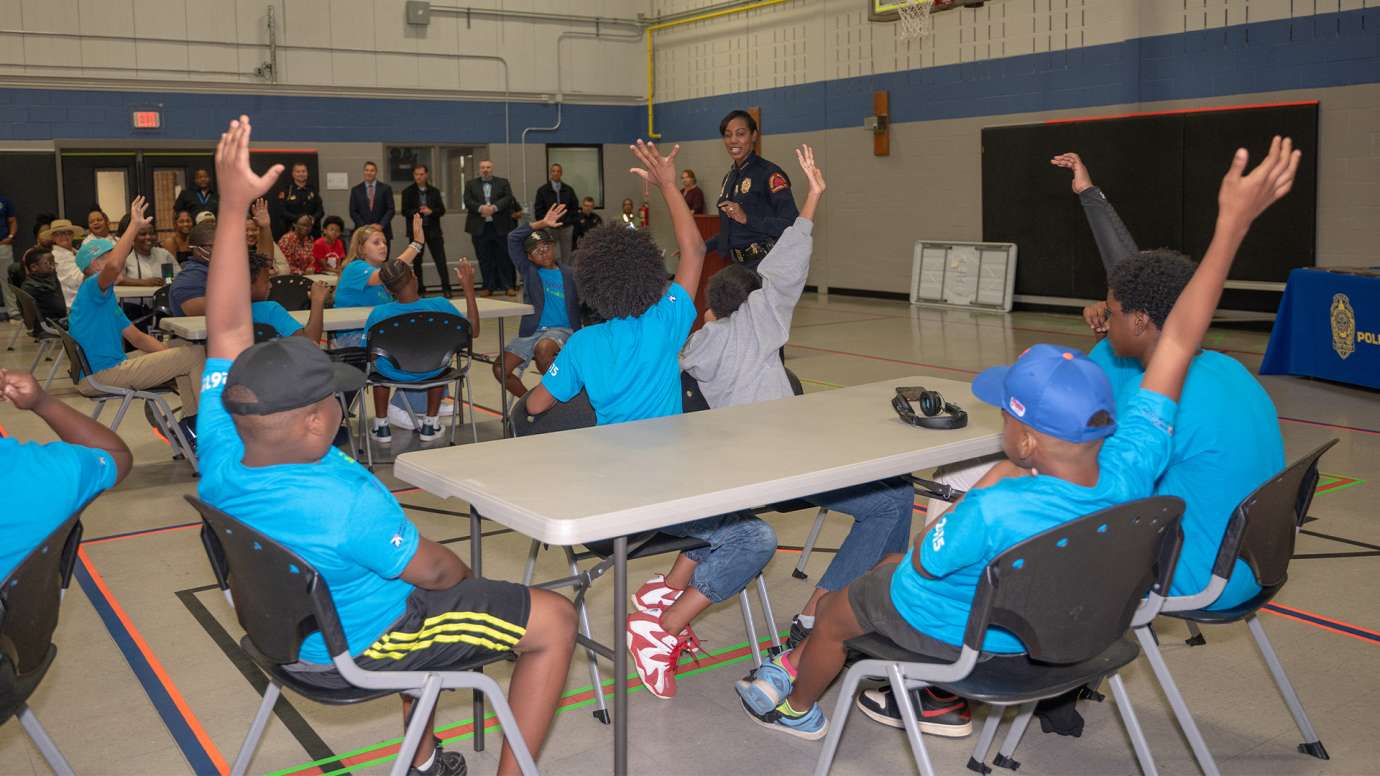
(740,544)
(881,525)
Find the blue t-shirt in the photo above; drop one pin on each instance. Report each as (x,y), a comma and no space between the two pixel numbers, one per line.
(553,312)
(354,289)
(333,513)
(629,366)
(96,322)
(277,316)
(388,310)
(1226,444)
(43,486)
(189,284)
(989,521)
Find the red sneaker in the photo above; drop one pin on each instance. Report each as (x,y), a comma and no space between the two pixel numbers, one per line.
(656,653)
(655,595)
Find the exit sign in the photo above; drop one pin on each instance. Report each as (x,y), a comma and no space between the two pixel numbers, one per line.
(147,119)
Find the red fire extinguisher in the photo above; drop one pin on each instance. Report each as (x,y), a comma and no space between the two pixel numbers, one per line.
(645,214)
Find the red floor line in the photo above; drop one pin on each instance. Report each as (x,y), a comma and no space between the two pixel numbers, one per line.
(1321,424)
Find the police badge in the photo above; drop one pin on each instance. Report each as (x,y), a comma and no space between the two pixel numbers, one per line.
(1343,326)
(745,186)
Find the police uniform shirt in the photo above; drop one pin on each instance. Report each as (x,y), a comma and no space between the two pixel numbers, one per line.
(763,191)
(298,201)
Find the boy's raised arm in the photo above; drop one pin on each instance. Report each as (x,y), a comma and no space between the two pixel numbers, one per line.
(660,171)
(229,323)
(114,267)
(1240,200)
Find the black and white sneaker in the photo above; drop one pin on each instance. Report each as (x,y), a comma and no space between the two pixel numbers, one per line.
(382,434)
(940,714)
(430,431)
(445,764)
(798,633)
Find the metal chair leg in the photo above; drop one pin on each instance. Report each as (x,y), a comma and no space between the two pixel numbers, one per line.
(521,753)
(745,604)
(474,415)
(1311,744)
(57,362)
(41,740)
(100,408)
(1128,716)
(174,430)
(14,340)
(769,615)
(601,713)
(256,731)
(417,725)
(847,689)
(799,572)
(977,761)
(125,401)
(43,346)
(1004,758)
(364,432)
(1176,701)
(530,569)
(1195,636)
(912,723)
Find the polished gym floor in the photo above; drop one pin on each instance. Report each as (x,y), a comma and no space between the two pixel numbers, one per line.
(149,678)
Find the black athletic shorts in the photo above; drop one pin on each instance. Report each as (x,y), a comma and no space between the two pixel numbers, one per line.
(870,597)
(476,619)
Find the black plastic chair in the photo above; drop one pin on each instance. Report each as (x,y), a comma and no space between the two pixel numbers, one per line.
(265,332)
(1069,594)
(30,598)
(79,369)
(1261,532)
(579,413)
(291,291)
(280,599)
(42,332)
(421,342)
(160,307)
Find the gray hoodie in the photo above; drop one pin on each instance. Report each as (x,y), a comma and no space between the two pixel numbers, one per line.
(735,359)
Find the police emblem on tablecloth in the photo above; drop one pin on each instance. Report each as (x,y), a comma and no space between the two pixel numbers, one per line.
(1343,325)
(745,186)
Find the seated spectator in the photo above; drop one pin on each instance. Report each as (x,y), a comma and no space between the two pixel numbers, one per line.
(296,245)
(98,224)
(628,217)
(401,282)
(329,250)
(41,282)
(205,217)
(187,295)
(270,313)
(88,460)
(176,241)
(99,326)
(61,234)
(147,261)
(551,290)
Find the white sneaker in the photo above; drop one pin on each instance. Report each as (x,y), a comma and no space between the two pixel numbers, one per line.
(430,431)
(655,595)
(381,434)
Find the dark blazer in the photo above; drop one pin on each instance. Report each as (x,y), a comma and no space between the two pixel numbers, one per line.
(411,203)
(190,202)
(500,194)
(382,214)
(546,197)
(533,288)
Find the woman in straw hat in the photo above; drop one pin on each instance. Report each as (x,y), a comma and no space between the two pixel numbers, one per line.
(62,232)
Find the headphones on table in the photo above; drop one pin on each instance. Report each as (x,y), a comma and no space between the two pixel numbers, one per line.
(936,413)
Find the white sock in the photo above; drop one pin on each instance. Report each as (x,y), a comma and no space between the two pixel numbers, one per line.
(380,423)
(432,420)
(430,761)
(806,620)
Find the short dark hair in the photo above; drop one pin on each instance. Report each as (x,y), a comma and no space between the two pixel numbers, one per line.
(422,167)
(299,163)
(337,220)
(729,288)
(1150,282)
(33,256)
(202,234)
(619,271)
(259,263)
(394,274)
(738,114)
(587,199)
(371,164)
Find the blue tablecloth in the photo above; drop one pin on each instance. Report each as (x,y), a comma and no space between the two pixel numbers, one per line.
(1328,326)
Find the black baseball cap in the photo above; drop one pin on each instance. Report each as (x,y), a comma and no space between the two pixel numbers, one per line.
(537,237)
(285,374)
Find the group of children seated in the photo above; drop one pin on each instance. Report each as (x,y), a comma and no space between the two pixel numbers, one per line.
(1147,413)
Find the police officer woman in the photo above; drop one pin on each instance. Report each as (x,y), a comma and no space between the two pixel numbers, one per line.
(755,202)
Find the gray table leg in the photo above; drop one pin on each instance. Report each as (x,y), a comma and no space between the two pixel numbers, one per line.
(502,388)
(477,566)
(620,656)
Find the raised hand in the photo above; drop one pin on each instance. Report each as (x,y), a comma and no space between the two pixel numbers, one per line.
(319,291)
(805,155)
(656,169)
(1095,315)
(1071,161)
(260,212)
(464,272)
(1244,197)
(553,218)
(138,214)
(417,235)
(239,184)
(20,389)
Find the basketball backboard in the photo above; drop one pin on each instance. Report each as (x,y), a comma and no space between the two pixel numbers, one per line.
(885,10)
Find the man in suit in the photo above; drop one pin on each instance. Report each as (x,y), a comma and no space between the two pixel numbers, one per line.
(551,193)
(371,203)
(489,200)
(423,198)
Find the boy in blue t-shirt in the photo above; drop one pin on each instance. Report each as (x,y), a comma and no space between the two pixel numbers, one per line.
(270,313)
(551,289)
(44,484)
(1059,419)
(406,603)
(397,276)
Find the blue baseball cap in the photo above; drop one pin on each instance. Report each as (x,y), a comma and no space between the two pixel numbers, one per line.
(1052,389)
(93,248)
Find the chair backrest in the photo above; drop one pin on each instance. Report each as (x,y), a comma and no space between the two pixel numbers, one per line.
(280,599)
(265,332)
(692,398)
(421,341)
(29,599)
(1069,592)
(162,302)
(291,291)
(796,387)
(77,365)
(564,416)
(28,311)
(1264,525)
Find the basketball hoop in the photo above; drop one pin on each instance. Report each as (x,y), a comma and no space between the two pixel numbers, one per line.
(915,18)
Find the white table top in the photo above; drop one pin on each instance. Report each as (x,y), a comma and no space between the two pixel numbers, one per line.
(574,487)
(346,318)
(135,292)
